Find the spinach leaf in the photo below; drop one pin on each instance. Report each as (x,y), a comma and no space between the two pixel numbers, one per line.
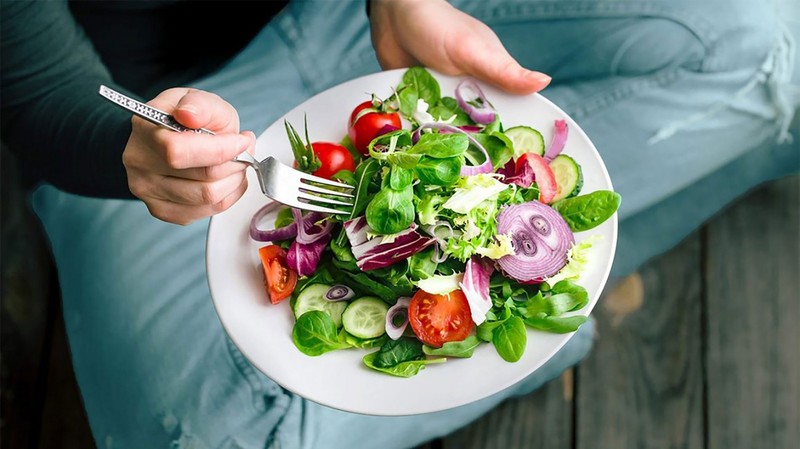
(314,333)
(584,212)
(448,107)
(421,264)
(441,172)
(363,343)
(559,325)
(391,211)
(499,147)
(566,297)
(485,331)
(417,84)
(463,349)
(363,176)
(400,178)
(398,351)
(510,339)
(345,176)
(403,159)
(284,217)
(321,276)
(440,146)
(403,369)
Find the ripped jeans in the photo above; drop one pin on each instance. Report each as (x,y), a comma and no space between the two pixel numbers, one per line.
(684,99)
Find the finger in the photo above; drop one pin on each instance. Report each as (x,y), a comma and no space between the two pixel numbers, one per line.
(189,150)
(152,162)
(195,193)
(183,214)
(195,108)
(199,109)
(487,59)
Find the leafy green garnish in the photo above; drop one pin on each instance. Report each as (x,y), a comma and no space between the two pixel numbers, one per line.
(314,333)
(584,212)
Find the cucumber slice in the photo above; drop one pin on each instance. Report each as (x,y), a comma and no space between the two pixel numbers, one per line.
(365,317)
(569,176)
(525,140)
(313,298)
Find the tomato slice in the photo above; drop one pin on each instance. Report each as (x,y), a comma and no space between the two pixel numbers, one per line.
(543,175)
(437,319)
(279,279)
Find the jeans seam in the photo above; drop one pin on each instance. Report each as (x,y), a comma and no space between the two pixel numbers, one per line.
(516,12)
(259,388)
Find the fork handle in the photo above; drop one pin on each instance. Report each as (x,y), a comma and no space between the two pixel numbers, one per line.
(146,112)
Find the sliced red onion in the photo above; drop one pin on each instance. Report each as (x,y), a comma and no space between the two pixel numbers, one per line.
(472,100)
(272,235)
(310,231)
(398,312)
(339,292)
(475,286)
(439,255)
(558,141)
(466,170)
(540,237)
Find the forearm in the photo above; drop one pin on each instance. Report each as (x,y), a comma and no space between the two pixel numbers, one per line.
(52,117)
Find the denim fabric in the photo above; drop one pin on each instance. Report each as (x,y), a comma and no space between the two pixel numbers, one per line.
(685,101)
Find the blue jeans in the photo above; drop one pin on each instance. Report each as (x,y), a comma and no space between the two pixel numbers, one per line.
(683,99)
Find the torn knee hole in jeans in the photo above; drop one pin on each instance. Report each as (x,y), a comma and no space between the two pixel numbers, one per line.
(775,74)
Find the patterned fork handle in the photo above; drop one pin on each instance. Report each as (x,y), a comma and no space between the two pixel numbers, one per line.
(146,112)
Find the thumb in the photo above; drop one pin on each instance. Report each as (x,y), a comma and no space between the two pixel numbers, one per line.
(485,58)
(200,109)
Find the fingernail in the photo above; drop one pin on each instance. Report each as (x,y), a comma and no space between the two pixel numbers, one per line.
(540,77)
(188,108)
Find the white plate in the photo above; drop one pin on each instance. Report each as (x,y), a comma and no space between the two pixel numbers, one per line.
(339,379)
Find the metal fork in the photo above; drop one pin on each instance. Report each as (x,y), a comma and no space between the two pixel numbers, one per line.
(277,180)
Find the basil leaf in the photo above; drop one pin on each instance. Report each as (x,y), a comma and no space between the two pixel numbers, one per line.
(440,146)
(441,172)
(403,369)
(559,325)
(314,333)
(584,212)
(462,349)
(391,211)
(510,339)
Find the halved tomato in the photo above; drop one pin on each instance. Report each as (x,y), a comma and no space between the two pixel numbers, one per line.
(437,319)
(279,279)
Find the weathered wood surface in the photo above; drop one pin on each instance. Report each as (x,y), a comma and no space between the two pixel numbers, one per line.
(753,300)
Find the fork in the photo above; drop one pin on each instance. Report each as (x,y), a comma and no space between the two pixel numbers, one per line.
(277,180)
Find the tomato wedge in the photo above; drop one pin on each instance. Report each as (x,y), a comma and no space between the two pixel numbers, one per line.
(279,279)
(543,176)
(437,319)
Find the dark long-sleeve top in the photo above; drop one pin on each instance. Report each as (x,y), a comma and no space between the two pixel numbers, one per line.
(55,54)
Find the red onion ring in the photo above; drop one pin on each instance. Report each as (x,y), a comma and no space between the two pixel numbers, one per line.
(272,235)
(467,93)
(400,309)
(558,141)
(309,231)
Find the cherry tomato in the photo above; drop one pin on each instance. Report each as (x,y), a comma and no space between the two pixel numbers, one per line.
(333,157)
(365,126)
(437,319)
(543,175)
(279,279)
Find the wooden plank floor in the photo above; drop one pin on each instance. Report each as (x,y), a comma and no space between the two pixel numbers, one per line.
(699,349)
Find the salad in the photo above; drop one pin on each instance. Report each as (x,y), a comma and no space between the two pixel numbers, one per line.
(462,232)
